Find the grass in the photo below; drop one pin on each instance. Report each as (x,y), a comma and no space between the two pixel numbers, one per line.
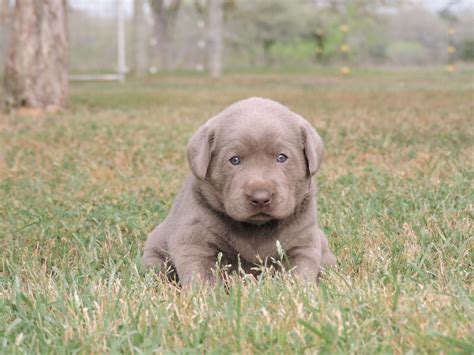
(80,190)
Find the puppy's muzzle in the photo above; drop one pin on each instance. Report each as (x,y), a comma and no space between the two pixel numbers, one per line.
(260,198)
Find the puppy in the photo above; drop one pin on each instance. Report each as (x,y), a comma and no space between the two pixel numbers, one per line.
(251,188)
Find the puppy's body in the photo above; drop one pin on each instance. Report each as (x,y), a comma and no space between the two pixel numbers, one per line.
(242,210)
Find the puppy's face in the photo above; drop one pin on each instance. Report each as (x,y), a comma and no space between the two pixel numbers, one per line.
(255,160)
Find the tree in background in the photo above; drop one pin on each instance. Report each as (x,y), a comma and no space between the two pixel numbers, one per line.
(4,11)
(362,21)
(268,22)
(140,37)
(464,36)
(415,36)
(36,69)
(217,13)
(4,27)
(164,17)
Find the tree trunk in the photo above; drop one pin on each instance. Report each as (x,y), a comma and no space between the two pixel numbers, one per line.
(216,19)
(267,55)
(161,36)
(319,37)
(36,68)
(164,17)
(139,27)
(5,11)
(4,29)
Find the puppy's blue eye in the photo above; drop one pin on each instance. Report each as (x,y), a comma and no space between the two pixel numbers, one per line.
(281,158)
(235,160)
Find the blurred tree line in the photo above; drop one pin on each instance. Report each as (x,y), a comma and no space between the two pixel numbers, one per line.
(299,32)
(182,34)
(245,34)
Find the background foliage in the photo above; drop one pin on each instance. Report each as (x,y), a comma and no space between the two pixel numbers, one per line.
(277,33)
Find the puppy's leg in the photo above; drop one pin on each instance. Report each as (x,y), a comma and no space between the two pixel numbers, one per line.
(306,262)
(195,263)
(155,249)
(153,260)
(327,257)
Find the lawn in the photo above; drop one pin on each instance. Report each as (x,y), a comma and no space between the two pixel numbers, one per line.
(80,190)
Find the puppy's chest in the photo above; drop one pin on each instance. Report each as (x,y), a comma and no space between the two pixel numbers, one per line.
(254,248)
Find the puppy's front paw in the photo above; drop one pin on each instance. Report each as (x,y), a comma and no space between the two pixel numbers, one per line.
(328,259)
(198,279)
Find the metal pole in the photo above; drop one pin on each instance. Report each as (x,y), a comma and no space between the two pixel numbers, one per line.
(122,68)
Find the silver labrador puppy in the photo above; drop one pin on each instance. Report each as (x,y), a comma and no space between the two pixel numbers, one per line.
(251,186)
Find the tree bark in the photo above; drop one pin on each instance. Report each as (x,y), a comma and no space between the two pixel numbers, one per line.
(4,29)
(161,35)
(139,27)
(5,11)
(164,18)
(36,69)
(319,38)
(216,20)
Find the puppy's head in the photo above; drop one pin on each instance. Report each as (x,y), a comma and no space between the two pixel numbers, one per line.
(255,160)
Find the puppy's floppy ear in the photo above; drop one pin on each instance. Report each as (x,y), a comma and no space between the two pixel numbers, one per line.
(313,148)
(199,151)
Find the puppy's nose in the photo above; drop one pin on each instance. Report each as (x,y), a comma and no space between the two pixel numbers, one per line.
(260,198)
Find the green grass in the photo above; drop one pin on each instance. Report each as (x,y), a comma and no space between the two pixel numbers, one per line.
(80,190)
